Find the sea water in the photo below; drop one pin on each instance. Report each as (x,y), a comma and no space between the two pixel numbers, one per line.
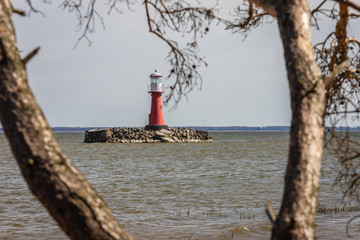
(175,190)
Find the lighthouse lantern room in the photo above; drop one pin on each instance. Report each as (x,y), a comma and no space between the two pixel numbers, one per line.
(156,89)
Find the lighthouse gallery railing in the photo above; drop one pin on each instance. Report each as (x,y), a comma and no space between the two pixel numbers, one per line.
(156,87)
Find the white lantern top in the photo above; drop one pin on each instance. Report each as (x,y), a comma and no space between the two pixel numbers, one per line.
(156,84)
(155,75)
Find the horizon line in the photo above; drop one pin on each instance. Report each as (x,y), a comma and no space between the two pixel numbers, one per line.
(208,128)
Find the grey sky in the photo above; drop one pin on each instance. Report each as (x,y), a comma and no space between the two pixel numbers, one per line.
(106,84)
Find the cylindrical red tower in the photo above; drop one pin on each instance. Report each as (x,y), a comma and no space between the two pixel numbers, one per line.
(156,117)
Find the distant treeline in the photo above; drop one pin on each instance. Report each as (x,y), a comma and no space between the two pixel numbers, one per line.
(266,128)
(67,129)
(228,128)
(243,128)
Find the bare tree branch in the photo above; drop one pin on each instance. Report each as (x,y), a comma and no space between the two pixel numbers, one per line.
(19,12)
(32,9)
(270,213)
(328,80)
(182,18)
(30,55)
(246,19)
(267,5)
(318,7)
(349,3)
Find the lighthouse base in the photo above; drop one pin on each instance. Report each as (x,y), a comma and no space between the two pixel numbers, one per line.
(156,127)
(140,135)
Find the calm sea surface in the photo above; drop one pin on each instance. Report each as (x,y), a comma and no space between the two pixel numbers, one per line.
(174,191)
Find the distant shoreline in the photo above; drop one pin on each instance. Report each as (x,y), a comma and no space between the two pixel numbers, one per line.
(204,128)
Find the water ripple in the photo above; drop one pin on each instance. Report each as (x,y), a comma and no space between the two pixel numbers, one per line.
(168,191)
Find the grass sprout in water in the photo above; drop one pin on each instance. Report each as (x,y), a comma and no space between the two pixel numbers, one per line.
(337,207)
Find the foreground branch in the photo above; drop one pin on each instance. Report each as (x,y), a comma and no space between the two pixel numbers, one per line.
(30,55)
(19,12)
(270,213)
(60,187)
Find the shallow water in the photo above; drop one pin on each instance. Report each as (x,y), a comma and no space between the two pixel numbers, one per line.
(173,191)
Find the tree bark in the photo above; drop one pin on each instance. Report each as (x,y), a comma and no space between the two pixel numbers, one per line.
(296,219)
(59,186)
(267,5)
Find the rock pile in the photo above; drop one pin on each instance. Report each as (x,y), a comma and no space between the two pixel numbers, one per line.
(140,135)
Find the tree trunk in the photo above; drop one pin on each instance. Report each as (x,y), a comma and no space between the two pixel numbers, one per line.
(61,188)
(296,219)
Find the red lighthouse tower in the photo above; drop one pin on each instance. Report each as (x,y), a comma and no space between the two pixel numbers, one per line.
(156,88)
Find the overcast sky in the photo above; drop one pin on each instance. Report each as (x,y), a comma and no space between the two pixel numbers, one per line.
(106,84)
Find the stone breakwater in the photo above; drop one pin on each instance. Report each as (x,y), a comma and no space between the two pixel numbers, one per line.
(140,135)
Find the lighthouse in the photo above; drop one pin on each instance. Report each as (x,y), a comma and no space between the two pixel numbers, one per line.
(156,117)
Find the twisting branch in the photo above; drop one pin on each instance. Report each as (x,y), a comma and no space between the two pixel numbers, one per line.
(318,7)
(329,12)
(182,18)
(178,16)
(32,9)
(86,19)
(316,10)
(114,5)
(338,57)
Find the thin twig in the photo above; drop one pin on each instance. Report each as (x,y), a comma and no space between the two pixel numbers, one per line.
(30,55)
(270,213)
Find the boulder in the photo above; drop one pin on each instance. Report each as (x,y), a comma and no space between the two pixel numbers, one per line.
(166,132)
(160,134)
(166,139)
